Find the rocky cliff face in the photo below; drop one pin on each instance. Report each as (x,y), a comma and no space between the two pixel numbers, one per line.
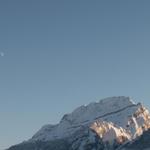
(103,125)
(140,143)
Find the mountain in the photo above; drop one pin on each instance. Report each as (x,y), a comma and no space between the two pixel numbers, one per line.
(104,125)
(140,143)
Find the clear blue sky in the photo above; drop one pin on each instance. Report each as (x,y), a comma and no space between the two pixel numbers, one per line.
(60,54)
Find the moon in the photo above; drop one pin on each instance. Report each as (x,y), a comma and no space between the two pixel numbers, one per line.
(2,54)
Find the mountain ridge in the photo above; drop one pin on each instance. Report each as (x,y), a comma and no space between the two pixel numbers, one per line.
(106,124)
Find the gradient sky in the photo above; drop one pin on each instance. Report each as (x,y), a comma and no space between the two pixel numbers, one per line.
(60,54)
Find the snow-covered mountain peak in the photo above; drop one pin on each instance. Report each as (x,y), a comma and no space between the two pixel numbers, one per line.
(110,118)
(118,101)
(96,109)
(107,124)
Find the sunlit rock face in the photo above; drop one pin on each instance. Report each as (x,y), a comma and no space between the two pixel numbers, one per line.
(102,125)
(109,132)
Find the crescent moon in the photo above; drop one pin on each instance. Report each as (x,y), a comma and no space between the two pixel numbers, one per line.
(2,54)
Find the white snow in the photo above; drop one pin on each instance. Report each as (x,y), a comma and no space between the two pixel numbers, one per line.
(116,116)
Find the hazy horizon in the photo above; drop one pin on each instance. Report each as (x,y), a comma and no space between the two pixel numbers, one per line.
(58,55)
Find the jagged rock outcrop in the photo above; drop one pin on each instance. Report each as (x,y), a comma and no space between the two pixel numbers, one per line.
(141,143)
